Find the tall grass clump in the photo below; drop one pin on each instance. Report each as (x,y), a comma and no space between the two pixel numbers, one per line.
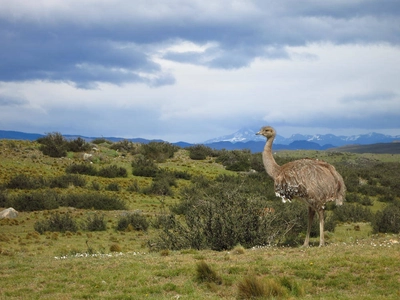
(204,273)
(57,223)
(252,287)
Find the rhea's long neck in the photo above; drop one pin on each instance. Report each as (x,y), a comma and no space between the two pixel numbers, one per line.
(270,164)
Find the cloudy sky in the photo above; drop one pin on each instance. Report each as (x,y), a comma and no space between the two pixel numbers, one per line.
(192,70)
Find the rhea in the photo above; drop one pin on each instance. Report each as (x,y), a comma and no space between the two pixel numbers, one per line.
(313,181)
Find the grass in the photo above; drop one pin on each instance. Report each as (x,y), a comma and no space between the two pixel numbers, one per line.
(118,264)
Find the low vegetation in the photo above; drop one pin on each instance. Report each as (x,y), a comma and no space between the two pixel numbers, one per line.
(155,221)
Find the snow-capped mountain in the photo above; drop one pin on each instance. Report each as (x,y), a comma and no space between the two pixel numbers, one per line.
(245,135)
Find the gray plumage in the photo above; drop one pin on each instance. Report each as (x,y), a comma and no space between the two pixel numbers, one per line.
(312,181)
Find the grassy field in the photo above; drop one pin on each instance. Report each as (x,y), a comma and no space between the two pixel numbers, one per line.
(115,264)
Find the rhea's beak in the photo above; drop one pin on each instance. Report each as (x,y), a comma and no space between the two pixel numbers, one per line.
(258,133)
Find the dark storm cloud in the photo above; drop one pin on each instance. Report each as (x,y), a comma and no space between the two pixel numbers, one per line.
(117,47)
(12,101)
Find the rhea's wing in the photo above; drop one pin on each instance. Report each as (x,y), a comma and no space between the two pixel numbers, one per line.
(310,179)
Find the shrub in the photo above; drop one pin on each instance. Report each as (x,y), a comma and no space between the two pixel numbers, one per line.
(83,169)
(126,146)
(182,175)
(113,186)
(92,201)
(78,145)
(136,220)
(143,166)
(65,181)
(112,172)
(235,160)
(53,144)
(57,223)
(4,201)
(95,222)
(158,151)
(115,248)
(388,220)
(200,152)
(134,187)
(36,201)
(161,185)
(22,181)
(352,213)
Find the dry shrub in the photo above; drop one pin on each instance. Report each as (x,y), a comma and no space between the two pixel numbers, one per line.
(206,274)
(239,249)
(115,248)
(164,252)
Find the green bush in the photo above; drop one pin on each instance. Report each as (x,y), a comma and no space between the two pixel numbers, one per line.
(57,223)
(143,166)
(134,187)
(4,200)
(36,201)
(99,141)
(350,212)
(136,220)
(95,222)
(112,171)
(200,152)
(388,220)
(82,169)
(65,181)
(92,201)
(126,146)
(24,182)
(158,151)
(161,184)
(235,160)
(53,145)
(113,186)
(78,145)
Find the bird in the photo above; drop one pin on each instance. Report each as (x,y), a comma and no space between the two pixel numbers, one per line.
(313,181)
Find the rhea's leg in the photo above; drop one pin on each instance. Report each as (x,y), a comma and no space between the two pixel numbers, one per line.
(311,213)
(321,228)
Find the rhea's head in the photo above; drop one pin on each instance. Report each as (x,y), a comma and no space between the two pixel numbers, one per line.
(267,131)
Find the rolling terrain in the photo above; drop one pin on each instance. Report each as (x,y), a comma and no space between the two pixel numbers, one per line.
(121,264)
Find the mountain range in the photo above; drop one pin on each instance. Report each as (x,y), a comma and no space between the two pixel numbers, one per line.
(247,139)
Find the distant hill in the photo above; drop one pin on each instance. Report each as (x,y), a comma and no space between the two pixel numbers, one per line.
(379,148)
(252,145)
(16,135)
